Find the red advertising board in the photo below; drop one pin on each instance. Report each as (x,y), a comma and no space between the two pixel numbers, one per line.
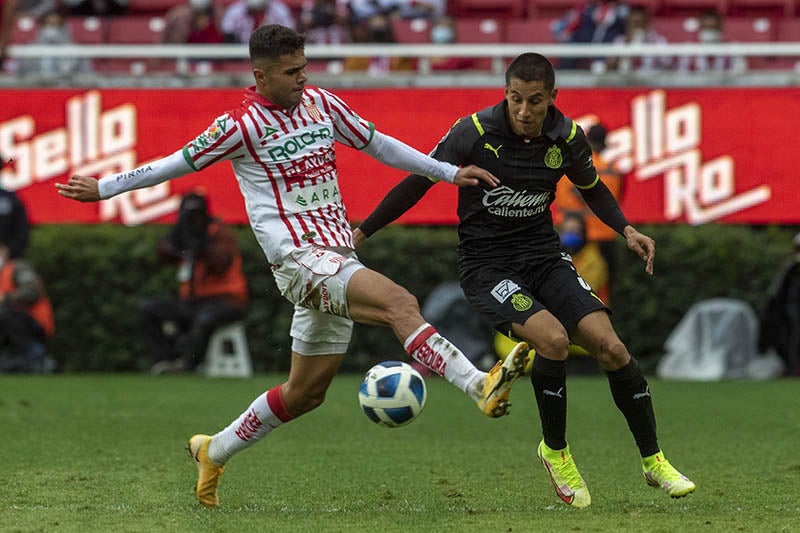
(693,155)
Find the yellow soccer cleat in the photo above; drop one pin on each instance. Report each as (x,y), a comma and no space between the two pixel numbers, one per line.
(564,475)
(659,473)
(497,386)
(503,344)
(208,473)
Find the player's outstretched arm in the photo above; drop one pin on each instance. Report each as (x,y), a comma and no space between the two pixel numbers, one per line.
(80,188)
(88,189)
(644,246)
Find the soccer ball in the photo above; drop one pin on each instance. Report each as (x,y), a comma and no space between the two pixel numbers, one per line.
(392,394)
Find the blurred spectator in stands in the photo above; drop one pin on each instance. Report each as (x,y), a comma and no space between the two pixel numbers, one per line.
(8,14)
(53,30)
(10,10)
(597,21)
(569,200)
(326,22)
(444,32)
(377,30)
(638,31)
(213,289)
(26,317)
(244,16)
(95,7)
(420,9)
(780,317)
(195,22)
(15,229)
(710,32)
(586,256)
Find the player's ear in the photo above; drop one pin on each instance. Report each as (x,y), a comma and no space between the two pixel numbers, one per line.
(553,94)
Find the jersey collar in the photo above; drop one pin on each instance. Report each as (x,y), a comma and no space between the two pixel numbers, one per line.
(251,95)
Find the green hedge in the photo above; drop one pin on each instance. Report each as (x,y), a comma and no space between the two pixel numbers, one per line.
(97,274)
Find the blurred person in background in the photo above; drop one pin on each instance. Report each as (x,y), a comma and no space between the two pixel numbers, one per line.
(586,256)
(569,199)
(514,271)
(377,30)
(26,315)
(326,22)
(639,31)
(710,31)
(213,289)
(291,191)
(194,22)
(53,30)
(10,10)
(15,229)
(443,31)
(8,16)
(597,21)
(244,16)
(780,317)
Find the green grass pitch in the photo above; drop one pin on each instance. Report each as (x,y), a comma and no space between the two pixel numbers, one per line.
(106,453)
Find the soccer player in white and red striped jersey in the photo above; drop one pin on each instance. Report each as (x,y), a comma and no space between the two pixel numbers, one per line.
(281,145)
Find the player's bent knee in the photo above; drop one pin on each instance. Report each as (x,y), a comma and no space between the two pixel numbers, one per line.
(612,354)
(555,345)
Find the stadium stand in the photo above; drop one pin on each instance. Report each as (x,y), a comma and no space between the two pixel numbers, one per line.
(87,30)
(489,8)
(689,7)
(529,31)
(411,31)
(763,7)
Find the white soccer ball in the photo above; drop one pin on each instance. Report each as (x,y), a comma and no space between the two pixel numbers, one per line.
(392,394)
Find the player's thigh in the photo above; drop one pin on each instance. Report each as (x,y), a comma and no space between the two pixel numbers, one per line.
(566,295)
(375,299)
(501,295)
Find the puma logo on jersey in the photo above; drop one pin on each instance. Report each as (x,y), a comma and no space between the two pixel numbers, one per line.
(640,395)
(495,151)
(557,394)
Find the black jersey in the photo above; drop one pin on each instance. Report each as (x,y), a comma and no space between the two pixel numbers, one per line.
(514,219)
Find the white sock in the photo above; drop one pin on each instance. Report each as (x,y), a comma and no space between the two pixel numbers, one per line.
(266,413)
(441,356)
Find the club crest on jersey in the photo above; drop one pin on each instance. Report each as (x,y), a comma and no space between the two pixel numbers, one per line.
(312,111)
(553,157)
(521,302)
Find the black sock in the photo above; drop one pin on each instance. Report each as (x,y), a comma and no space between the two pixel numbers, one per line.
(549,379)
(632,396)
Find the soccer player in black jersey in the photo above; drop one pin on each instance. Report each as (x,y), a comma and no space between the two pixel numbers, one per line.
(513,270)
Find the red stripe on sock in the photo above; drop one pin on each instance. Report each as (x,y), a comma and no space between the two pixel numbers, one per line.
(276,404)
(420,339)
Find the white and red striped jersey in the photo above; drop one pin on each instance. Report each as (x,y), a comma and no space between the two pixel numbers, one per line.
(285,163)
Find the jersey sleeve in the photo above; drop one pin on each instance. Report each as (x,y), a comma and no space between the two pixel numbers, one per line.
(221,140)
(581,170)
(348,127)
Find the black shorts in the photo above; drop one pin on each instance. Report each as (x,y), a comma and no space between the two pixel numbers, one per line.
(511,292)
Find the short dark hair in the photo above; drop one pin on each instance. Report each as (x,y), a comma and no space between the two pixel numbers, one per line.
(273,41)
(532,67)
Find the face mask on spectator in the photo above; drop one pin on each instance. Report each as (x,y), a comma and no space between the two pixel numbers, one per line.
(709,36)
(442,35)
(200,4)
(572,241)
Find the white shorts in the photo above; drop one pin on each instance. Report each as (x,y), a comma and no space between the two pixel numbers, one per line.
(315,280)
